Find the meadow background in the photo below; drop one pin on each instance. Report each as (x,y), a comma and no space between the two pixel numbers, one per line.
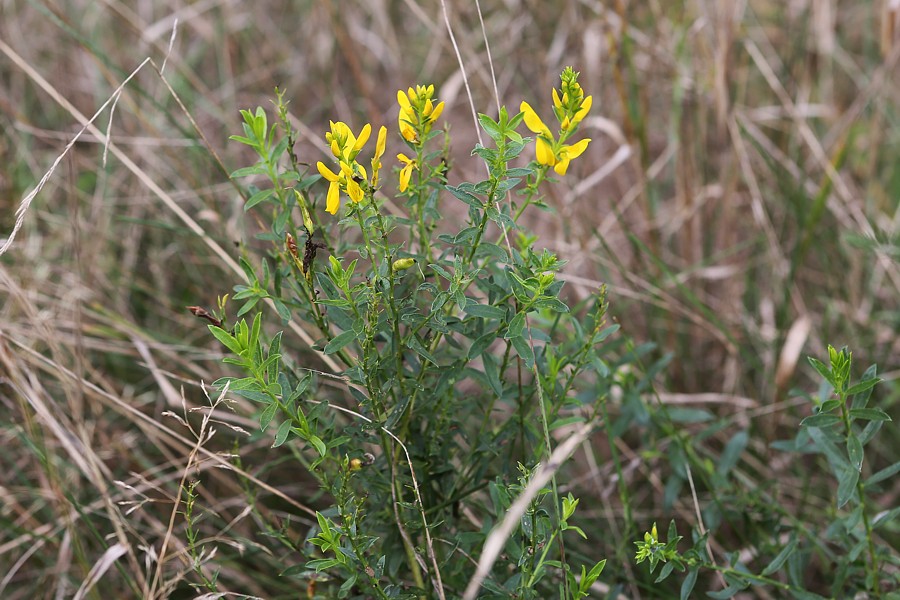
(739,199)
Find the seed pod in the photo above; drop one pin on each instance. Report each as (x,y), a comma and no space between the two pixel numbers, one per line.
(401,264)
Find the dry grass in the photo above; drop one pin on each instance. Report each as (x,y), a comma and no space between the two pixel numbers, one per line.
(740,198)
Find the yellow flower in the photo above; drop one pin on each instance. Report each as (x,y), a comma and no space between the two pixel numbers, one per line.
(406,171)
(417,112)
(333,200)
(344,145)
(345,181)
(570,107)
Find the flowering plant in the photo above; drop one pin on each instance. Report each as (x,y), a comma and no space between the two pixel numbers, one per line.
(449,350)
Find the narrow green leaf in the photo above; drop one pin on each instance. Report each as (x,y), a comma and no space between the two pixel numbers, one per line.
(485,311)
(319,445)
(869,414)
(732,452)
(862,386)
(516,326)
(885,517)
(523,349)
(854,451)
(884,474)
(258,197)
(781,558)
(823,370)
(687,586)
(847,479)
(282,434)
(267,415)
(226,338)
(339,341)
(820,420)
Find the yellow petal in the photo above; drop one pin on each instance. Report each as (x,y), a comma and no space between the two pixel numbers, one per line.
(333,202)
(405,174)
(354,191)
(436,112)
(402,99)
(556,101)
(363,137)
(583,111)
(532,121)
(575,150)
(326,172)
(561,166)
(381,143)
(544,152)
(404,159)
(408,133)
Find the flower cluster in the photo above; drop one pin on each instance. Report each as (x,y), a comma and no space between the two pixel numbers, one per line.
(345,147)
(570,106)
(417,112)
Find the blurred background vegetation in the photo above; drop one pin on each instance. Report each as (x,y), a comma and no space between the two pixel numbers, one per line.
(739,199)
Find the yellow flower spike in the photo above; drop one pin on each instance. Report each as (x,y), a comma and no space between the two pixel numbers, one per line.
(406,171)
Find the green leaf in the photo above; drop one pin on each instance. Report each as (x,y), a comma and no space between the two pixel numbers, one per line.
(245,171)
(317,442)
(588,580)
(665,572)
(492,371)
(884,474)
(854,451)
(869,414)
(820,420)
(732,452)
(282,310)
(258,197)
(523,349)
(490,126)
(862,399)
(781,558)
(885,517)
(728,592)
(516,326)
(339,341)
(282,434)
(485,311)
(267,415)
(481,344)
(689,415)
(823,370)
(465,195)
(847,478)
(687,586)
(228,340)
(864,385)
